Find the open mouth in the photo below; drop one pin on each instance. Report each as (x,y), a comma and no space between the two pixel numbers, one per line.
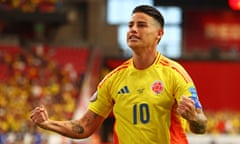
(133,38)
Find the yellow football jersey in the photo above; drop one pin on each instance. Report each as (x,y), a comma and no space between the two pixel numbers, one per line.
(144,102)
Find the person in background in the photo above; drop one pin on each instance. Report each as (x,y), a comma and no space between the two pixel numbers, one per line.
(152,97)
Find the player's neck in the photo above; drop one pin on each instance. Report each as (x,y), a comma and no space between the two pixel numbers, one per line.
(144,60)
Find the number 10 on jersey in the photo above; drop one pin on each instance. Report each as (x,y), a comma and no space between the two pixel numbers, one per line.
(141,113)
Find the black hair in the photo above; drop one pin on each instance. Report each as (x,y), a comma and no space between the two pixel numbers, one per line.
(151,11)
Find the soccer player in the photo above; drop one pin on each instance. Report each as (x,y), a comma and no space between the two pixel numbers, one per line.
(153,98)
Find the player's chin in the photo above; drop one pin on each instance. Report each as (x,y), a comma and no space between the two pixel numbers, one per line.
(133,45)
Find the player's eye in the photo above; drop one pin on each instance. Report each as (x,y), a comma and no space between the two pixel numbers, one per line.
(141,25)
(130,25)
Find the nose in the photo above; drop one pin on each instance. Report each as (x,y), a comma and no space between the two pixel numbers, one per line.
(133,29)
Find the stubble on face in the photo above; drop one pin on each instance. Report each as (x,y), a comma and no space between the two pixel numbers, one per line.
(143,32)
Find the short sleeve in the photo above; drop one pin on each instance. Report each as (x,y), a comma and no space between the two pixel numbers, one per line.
(186,88)
(101,102)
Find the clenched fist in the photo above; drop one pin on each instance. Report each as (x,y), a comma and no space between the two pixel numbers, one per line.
(39,116)
(186,108)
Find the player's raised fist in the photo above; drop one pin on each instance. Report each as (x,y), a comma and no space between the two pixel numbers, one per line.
(39,115)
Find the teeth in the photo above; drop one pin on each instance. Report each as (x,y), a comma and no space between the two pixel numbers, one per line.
(133,37)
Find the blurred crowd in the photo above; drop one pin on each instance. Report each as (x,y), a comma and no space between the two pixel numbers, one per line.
(223,122)
(29,79)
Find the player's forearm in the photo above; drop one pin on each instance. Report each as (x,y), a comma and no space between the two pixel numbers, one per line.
(199,124)
(71,129)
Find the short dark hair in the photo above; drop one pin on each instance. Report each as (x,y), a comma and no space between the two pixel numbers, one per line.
(151,11)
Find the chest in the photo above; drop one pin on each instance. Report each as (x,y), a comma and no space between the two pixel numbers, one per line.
(151,87)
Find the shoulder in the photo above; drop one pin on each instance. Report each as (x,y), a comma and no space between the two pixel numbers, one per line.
(118,70)
(167,62)
(175,67)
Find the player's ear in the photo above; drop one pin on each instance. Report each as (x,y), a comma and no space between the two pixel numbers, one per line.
(160,34)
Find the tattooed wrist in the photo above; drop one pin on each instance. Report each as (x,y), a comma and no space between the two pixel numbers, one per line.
(199,124)
(198,127)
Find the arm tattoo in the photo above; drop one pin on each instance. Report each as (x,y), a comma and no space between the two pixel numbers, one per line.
(197,127)
(93,117)
(77,128)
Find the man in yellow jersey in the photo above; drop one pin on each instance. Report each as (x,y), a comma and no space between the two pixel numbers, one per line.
(150,95)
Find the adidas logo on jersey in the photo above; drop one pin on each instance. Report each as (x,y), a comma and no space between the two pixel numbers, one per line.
(123,90)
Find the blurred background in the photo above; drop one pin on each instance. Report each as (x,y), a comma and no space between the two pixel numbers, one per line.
(54,52)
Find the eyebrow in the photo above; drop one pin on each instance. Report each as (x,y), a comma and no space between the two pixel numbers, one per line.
(137,22)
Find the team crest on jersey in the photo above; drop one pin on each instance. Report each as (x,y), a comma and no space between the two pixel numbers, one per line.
(94,97)
(157,87)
